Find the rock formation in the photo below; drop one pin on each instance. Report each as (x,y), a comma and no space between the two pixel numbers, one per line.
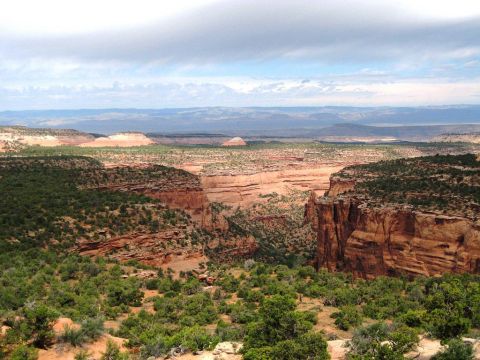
(236,141)
(244,189)
(372,239)
(42,137)
(155,249)
(120,140)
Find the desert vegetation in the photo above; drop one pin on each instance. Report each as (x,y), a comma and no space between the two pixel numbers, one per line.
(254,157)
(273,305)
(446,183)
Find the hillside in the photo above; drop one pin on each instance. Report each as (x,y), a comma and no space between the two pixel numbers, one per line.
(471,137)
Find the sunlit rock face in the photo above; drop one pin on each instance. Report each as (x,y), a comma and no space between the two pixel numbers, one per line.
(389,240)
(236,141)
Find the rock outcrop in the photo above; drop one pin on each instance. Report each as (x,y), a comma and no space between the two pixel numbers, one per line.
(120,140)
(245,189)
(155,249)
(378,240)
(236,141)
(12,135)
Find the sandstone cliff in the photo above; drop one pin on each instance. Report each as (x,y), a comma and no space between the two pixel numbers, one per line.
(120,140)
(12,135)
(373,238)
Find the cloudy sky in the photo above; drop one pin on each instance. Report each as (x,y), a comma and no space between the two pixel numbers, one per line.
(57,54)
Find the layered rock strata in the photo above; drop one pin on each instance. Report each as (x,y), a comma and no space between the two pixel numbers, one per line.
(389,240)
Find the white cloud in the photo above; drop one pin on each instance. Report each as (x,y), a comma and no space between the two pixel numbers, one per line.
(245,92)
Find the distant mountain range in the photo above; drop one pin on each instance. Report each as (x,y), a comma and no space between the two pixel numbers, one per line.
(402,123)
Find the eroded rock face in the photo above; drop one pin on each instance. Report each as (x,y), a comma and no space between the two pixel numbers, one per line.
(155,249)
(43,137)
(390,240)
(244,189)
(236,141)
(120,140)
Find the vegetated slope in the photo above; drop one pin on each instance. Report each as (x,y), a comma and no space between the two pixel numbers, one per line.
(414,216)
(60,199)
(275,227)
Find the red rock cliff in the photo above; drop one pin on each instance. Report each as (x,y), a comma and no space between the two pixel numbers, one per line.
(389,240)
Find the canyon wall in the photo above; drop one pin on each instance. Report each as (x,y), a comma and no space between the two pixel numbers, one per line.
(244,189)
(373,241)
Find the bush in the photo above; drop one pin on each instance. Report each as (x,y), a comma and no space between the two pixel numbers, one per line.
(124,293)
(281,330)
(456,350)
(446,323)
(380,341)
(263,353)
(151,284)
(72,336)
(413,318)
(24,352)
(91,329)
(347,317)
(194,339)
(113,352)
(82,355)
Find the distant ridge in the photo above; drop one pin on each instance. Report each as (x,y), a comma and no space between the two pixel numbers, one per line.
(242,121)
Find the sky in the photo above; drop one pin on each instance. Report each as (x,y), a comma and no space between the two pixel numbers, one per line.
(65,54)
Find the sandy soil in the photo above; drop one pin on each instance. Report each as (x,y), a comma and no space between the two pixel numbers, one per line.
(185,264)
(66,352)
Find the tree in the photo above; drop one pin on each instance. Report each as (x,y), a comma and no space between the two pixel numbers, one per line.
(283,333)
(40,320)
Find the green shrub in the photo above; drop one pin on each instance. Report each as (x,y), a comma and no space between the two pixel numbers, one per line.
(39,320)
(24,352)
(194,339)
(456,350)
(112,352)
(82,355)
(74,337)
(381,341)
(347,317)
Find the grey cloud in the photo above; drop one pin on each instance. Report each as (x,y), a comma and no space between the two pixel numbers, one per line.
(324,31)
